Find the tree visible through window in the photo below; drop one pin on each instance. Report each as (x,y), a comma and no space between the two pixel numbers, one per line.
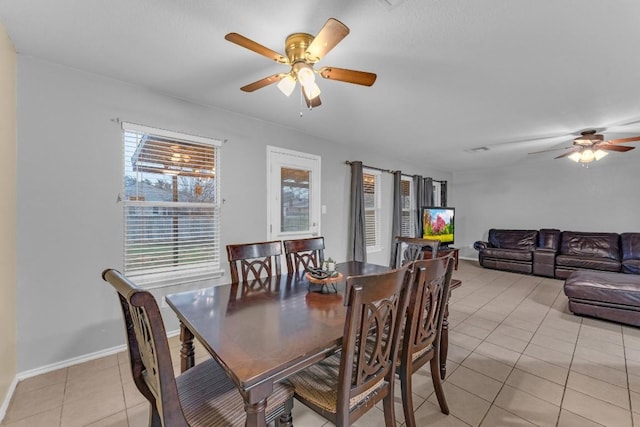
(171,205)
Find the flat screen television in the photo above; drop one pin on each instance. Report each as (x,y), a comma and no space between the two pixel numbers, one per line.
(438,224)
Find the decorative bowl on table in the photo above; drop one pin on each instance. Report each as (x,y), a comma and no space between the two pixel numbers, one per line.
(323,281)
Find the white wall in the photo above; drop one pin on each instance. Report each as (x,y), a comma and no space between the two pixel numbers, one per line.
(7,214)
(69,176)
(547,193)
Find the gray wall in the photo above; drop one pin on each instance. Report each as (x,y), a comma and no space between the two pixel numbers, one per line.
(545,193)
(8,63)
(69,176)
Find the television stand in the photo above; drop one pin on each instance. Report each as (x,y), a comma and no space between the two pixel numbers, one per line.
(442,251)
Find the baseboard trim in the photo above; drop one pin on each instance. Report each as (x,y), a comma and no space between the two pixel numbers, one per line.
(59,365)
(7,398)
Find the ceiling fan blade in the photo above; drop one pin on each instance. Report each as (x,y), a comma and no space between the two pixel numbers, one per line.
(568,153)
(329,36)
(311,103)
(241,40)
(551,149)
(349,76)
(611,147)
(623,140)
(263,82)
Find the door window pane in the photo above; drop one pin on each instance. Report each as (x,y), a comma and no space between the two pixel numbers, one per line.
(295,200)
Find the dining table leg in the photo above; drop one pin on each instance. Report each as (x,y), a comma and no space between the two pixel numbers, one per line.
(256,414)
(187,351)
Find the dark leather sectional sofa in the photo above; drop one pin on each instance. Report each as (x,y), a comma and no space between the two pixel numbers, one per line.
(602,270)
(555,253)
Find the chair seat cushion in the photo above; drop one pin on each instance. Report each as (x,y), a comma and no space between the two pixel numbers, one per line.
(510,254)
(318,385)
(600,286)
(606,264)
(210,398)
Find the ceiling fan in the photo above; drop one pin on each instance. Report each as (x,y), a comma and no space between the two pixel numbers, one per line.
(302,52)
(590,146)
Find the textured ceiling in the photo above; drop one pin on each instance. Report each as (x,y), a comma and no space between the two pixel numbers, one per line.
(514,76)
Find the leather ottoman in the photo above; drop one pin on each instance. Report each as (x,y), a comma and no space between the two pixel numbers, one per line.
(605,295)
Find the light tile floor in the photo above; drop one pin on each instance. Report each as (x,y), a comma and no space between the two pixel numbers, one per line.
(516,357)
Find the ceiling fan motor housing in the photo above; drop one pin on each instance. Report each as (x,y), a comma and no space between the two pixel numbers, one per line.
(296,47)
(588,138)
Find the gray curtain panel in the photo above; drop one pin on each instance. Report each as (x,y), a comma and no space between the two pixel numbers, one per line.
(418,184)
(356,245)
(443,193)
(396,224)
(428,192)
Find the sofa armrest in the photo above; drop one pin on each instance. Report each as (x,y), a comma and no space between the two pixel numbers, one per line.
(479,245)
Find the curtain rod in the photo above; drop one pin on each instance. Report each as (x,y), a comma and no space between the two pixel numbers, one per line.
(348,162)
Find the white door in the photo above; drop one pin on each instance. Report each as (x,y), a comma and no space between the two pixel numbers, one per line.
(293,180)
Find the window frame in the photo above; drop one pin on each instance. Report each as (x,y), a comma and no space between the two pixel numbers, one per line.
(376,209)
(202,216)
(411,210)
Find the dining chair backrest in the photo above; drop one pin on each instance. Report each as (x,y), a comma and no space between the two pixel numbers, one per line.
(409,249)
(421,341)
(304,253)
(251,261)
(149,352)
(376,306)
(202,395)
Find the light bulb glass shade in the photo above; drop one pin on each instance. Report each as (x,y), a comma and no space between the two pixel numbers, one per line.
(305,74)
(575,156)
(287,85)
(587,156)
(311,90)
(600,154)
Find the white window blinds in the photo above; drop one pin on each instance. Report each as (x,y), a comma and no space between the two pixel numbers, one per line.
(171,205)
(371,184)
(408,209)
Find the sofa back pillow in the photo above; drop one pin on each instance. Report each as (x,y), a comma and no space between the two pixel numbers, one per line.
(549,238)
(596,245)
(513,239)
(630,245)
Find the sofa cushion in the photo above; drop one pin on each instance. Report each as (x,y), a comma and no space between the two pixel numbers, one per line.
(615,288)
(508,254)
(513,239)
(630,246)
(592,263)
(549,238)
(592,245)
(631,266)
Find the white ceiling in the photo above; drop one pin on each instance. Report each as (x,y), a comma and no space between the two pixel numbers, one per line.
(452,75)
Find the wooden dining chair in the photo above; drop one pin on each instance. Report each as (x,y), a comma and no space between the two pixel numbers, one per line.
(304,253)
(346,385)
(409,249)
(201,396)
(421,340)
(251,261)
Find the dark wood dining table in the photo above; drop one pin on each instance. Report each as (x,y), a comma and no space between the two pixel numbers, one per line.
(263,331)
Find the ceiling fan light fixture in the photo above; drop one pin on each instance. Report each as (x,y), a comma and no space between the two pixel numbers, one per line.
(575,156)
(304,73)
(287,85)
(311,91)
(600,154)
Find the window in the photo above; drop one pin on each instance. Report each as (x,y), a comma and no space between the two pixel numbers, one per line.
(408,208)
(171,206)
(371,183)
(437,195)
